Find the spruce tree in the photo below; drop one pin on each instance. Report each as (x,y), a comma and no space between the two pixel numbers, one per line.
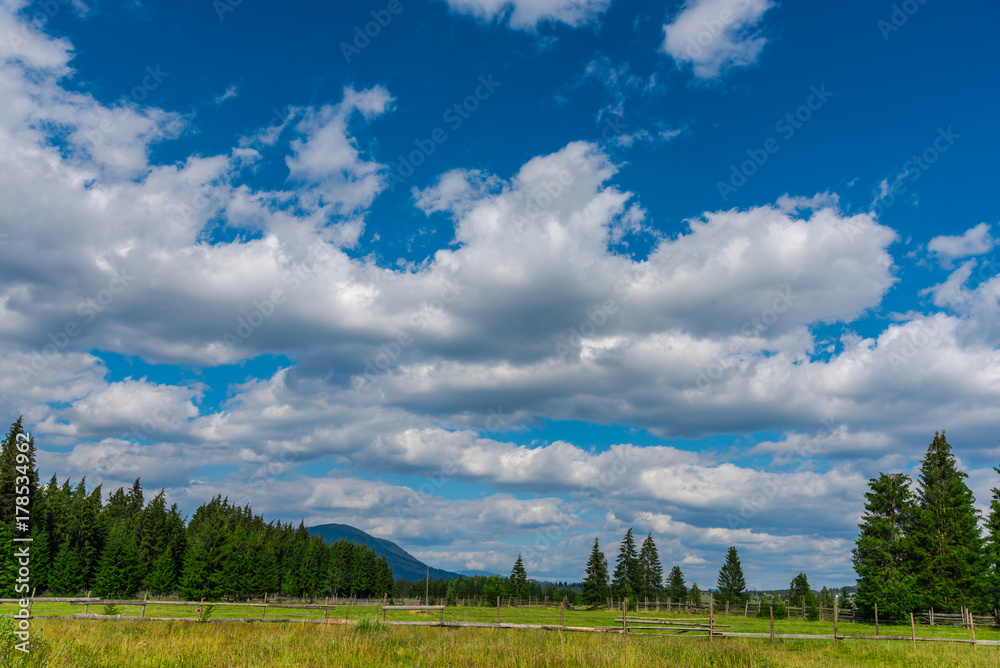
(882,553)
(825,598)
(518,579)
(991,553)
(119,573)
(947,544)
(651,571)
(695,594)
(627,579)
(595,583)
(201,576)
(163,580)
(676,590)
(732,585)
(67,577)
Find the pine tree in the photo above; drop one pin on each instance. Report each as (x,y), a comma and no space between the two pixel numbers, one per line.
(163,580)
(68,577)
(947,544)
(991,552)
(825,598)
(731,583)
(201,576)
(676,590)
(798,589)
(800,595)
(882,552)
(518,579)
(627,579)
(695,593)
(119,573)
(595,583)
(651,571)
(17,472)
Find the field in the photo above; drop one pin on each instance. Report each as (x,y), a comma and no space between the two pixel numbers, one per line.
(122,643)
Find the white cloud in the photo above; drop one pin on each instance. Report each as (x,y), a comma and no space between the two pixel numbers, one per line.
(975,241)
(715,35)
(527,14)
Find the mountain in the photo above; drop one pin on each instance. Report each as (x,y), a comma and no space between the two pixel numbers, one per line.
(404,565)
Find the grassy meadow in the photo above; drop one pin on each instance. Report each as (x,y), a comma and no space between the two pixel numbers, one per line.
(108,644)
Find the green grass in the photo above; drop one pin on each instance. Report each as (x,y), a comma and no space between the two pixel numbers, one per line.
(109,644)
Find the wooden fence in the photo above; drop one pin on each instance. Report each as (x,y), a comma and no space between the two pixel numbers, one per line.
(694,627)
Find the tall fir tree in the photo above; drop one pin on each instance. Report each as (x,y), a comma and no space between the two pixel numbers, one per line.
(162,581)
(882,553)
(948,561)
(991,552)
(627,579)
(18,475)
(518,579)
(825,598)
(695,594)
(732,585)
(676,591)
(119,573)
(651,571)
(595,583)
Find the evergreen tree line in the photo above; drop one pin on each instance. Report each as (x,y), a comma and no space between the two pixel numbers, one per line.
(125,545)
(924,548)
(486,589)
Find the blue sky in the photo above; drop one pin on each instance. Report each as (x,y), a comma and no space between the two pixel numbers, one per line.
(486,277)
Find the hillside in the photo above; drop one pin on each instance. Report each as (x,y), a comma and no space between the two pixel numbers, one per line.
(404,565)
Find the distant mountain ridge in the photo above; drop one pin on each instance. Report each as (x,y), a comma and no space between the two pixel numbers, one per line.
(404,565)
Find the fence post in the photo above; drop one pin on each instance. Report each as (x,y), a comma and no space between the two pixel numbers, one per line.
(201,609)
(711,615)
(144,599)
(746,608)
(264,609)
(86,608)
(913,632)
(498,609)
(972,627)
(772,623)
(876,621)
(932,615)
(31,601)
(624,617)
(562,610)
(326,609)
(836,643)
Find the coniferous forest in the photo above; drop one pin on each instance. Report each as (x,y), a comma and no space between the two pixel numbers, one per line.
(130,543)
(921,544)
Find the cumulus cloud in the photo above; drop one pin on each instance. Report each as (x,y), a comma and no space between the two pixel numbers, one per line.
(529,315)
(527,14)
(975,241)
(715,35)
